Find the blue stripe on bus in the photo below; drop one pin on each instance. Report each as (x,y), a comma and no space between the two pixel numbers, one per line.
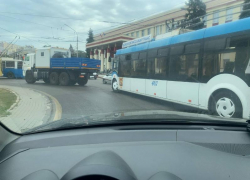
(236,26)
(191,36)
(18,73)
(159,43)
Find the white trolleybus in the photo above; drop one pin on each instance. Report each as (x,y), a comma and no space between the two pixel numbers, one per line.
(207,69)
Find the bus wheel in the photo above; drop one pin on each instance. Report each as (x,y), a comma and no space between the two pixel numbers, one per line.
(226,104)
(10,75)
(64,79)
(53,78)
(82,81)
(29,77)
(46,80)
(115,85)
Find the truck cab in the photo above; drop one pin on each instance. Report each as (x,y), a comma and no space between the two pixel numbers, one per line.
(28,62)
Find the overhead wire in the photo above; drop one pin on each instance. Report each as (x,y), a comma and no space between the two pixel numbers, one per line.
(7,47)
(23,36)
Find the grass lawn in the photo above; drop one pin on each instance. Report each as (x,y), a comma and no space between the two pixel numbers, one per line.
(7,98)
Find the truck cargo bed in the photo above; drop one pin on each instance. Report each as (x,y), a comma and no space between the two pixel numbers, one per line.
(74,63)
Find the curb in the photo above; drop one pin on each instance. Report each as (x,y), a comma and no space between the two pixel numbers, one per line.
(58,109)
(17,99)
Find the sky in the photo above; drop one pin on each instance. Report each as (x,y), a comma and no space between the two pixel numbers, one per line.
(45,22)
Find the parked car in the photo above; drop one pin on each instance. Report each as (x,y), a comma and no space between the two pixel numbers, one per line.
(107,78)
(94,75)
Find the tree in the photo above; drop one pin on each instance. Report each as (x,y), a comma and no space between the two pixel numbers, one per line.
(90,39)
(194,17)
(71,49)
(245,7)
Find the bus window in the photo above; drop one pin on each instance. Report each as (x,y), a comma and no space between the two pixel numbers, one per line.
(3,64)
(177,50)
(150,68)
(152,53)
(161,67)
(233,59)
(135,56)
(10,64)
(124,68)
(128,57)
(19,65)
(215,44)
(184,68)
(138,68)
(143,55)
(163,52)
(192,48)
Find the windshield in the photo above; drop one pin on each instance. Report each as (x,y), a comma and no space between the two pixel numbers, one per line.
(27,58)
(125,62)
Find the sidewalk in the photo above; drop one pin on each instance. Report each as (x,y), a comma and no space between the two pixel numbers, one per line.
(32,109)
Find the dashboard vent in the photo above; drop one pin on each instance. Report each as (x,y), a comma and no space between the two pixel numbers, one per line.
(238,149)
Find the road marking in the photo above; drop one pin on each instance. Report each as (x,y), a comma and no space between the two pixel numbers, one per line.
(58,113)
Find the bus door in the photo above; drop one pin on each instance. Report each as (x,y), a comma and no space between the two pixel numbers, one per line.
(183,84)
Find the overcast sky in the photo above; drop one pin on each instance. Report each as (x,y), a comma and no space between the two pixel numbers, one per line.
(53,31)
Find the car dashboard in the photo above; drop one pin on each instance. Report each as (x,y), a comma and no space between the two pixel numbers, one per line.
(129,153)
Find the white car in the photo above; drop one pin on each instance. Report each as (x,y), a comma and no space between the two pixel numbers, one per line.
(107,78)
(94,75)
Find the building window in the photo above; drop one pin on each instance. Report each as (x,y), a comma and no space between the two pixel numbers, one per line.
(149,31)
(142,33)
(42,53)
(229,16)
(158,30)
(216,18)
(205,21)
(137,34)
(167,29)
(132,34)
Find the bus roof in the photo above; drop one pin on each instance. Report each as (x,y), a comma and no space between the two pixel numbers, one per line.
(236,26)
(9,59)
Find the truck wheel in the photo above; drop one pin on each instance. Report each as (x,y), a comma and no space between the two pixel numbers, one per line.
(72,82)
(226,104)
(29,77)
(64,79)
(46,80)
(53,78)
(82,81)
(10,75)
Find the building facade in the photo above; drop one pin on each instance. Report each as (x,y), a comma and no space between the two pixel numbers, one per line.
(15,51)
(105,44)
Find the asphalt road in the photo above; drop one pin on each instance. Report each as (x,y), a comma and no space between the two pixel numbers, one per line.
(94,98)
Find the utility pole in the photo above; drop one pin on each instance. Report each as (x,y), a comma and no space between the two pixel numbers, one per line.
(77,39)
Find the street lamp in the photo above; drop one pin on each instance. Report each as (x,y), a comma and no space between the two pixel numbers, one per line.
(77,39)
